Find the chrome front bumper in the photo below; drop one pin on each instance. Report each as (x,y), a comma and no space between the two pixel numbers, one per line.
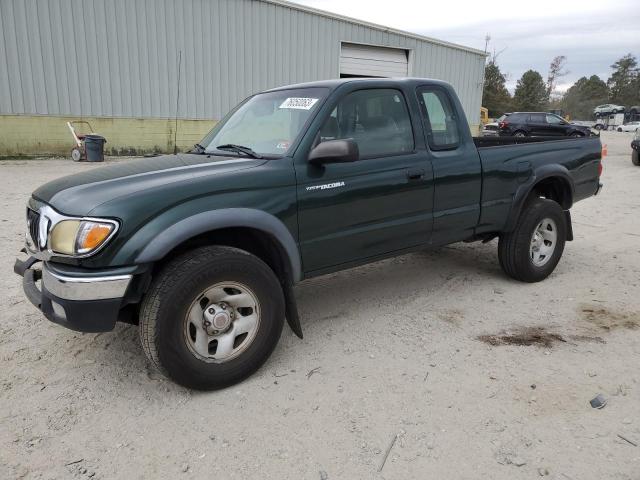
(81,300)
(84,288)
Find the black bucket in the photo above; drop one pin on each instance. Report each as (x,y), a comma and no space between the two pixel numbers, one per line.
(94,146)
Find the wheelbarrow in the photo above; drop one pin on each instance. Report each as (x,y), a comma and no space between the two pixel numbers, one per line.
(79,152)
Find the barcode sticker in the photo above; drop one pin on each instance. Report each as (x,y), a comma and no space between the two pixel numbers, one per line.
(299,103)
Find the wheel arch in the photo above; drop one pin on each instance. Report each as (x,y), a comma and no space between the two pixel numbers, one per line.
(550,181)
(252,229)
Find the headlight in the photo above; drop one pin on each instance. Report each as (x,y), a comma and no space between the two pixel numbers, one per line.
(79,237)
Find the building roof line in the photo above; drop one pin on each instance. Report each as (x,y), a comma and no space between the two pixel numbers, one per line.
(336,16)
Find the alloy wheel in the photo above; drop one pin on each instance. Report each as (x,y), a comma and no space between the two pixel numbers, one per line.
(222,322)
(543,242)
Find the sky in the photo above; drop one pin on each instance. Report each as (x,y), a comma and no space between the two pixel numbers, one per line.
(592,34)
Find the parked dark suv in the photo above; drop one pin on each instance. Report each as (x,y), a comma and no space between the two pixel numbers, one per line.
(524,124)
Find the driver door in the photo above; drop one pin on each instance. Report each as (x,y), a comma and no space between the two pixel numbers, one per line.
(381,203)
(557,126)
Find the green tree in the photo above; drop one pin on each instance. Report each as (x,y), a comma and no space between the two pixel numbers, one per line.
(531,93)
(581,98)
(495,96)
(624,82)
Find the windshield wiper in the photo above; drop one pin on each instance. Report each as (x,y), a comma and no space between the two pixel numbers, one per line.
(197,148)
(240,149)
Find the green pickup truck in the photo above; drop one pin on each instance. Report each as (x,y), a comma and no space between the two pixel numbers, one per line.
(202,249)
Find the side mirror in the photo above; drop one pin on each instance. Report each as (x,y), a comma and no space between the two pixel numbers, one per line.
(563,123)
(335,151)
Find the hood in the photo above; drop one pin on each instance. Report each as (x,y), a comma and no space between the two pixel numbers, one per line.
(584,128)
(80,193)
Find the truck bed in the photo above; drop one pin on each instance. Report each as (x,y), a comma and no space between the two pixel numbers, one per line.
(509,163)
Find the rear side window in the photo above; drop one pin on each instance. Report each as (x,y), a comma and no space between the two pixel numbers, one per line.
(377,119)
(537,118)
(518,118)
(440,119)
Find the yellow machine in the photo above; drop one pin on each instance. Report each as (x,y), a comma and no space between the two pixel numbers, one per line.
(484,115)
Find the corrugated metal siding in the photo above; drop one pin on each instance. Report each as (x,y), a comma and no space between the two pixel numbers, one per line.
(119,58)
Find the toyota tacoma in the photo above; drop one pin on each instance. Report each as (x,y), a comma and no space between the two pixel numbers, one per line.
(202,249)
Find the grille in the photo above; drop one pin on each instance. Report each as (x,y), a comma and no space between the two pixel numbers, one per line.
(33,220)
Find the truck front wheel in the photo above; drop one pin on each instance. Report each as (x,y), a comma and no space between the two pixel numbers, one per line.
(212,317)
(533,249)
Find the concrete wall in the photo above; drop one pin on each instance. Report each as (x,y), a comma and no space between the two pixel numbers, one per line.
(49,135)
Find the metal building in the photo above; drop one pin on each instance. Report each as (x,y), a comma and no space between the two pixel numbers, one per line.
(116,64)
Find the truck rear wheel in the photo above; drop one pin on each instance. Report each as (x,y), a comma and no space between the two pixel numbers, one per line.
(212,317)
(531,252)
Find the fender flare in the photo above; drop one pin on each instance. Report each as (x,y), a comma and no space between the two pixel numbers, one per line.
(204,222)
(524,190)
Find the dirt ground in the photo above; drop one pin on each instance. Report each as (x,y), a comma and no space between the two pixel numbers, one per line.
(477,375)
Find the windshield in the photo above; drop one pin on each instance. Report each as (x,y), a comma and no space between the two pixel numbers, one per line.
(267,123)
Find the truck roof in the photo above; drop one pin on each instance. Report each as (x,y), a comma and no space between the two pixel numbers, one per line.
(335,83)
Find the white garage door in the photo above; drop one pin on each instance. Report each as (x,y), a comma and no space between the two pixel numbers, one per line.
(370,61)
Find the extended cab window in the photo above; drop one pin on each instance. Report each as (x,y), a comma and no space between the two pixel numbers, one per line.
(377,119)
(441,122)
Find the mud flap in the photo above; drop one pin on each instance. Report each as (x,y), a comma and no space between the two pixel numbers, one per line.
(567,216)
(291,309)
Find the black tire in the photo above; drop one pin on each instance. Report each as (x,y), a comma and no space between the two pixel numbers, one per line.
(514,247)
(619,129)
(634,158)
(174,291)
(576,135)
(519,133)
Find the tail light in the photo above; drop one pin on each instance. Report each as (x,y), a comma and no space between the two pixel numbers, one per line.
(503,124)
(602,157)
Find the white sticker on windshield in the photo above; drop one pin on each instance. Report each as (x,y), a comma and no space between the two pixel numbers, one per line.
(299,103)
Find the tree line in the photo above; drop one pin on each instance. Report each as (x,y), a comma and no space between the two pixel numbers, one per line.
(532,93)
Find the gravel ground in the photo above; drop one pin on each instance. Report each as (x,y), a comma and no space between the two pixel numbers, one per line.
(478,376)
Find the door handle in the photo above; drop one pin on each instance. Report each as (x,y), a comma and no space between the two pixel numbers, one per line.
(415,174)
